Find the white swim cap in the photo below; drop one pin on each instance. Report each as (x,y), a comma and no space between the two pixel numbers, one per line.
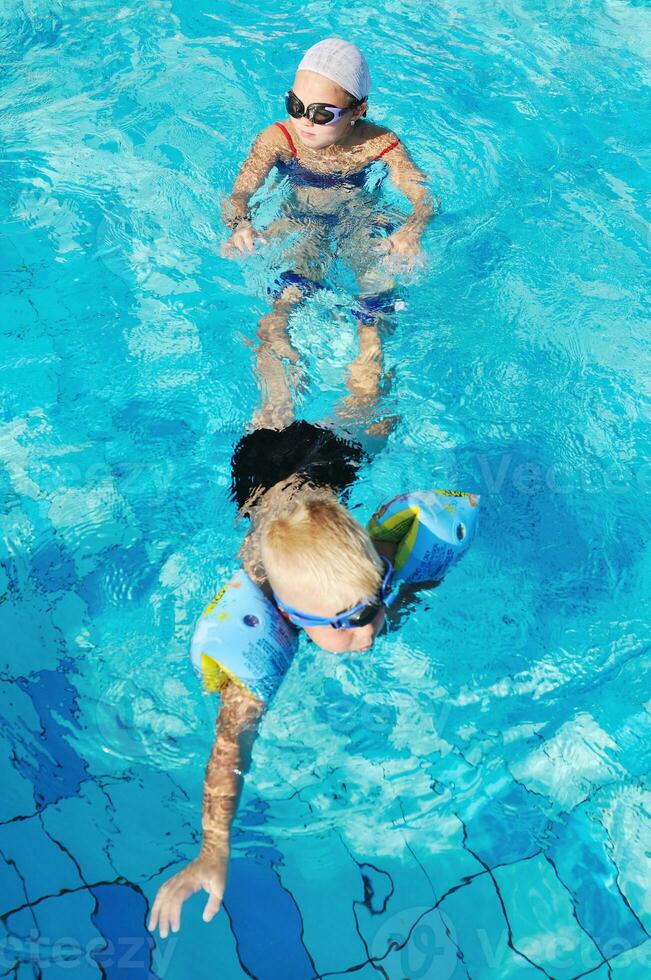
(341,62)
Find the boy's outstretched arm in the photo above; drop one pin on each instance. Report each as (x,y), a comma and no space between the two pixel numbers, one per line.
(413,183)
(235,208)
(237,725)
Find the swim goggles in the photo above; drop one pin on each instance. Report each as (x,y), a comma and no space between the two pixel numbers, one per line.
(360,615)
(317,112)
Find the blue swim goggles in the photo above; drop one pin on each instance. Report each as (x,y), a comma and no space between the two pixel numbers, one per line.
(360,615)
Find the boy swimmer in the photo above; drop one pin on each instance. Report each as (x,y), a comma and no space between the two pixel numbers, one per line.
(325,148)
(309,566)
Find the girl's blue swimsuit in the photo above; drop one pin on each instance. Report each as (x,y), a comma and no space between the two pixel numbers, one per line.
(367,308)
(303,177)
(300,176)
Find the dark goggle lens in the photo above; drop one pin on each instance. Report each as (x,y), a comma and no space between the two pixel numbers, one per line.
(294,106)
(365,615)
(318,114)
(321,116)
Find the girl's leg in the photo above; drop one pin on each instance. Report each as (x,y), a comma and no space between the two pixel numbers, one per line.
(364,375)
(272,327)
(306,259)
(277,407)
(365,372)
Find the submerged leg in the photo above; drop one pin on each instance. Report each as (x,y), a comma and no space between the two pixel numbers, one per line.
(276,356)
(277,406)
(274,348)
(364,375)
(375,302)
(303,260)
(272,327)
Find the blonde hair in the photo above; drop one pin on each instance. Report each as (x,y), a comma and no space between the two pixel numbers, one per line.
(316,544)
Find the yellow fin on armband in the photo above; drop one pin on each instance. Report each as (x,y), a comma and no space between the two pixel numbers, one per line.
(400,528)
(215,675)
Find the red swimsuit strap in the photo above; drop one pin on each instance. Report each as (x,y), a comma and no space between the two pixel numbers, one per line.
(287,137)
(290,142)
(387,149)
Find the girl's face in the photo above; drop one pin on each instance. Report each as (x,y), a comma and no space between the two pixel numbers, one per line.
(310,87)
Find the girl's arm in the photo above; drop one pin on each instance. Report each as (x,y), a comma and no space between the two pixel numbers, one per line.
(412,182)
(264,153)
(237,725)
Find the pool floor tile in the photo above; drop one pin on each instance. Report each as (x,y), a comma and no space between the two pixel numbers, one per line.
(635,964)
(476,922)
(626,816)
(542,920)
(326,897)
(44,868)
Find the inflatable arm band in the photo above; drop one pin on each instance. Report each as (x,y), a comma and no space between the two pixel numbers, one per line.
(432,528)
(242,637)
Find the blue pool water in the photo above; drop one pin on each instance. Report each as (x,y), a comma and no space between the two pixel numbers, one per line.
(472,800)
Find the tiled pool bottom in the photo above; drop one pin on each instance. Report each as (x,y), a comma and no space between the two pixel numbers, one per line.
(440,897)
(508,838)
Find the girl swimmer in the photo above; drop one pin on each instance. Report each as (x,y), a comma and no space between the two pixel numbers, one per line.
(325,148)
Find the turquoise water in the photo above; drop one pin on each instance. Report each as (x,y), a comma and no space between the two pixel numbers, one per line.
(471,800)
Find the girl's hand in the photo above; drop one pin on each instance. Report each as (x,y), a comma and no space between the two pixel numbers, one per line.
(404,241)
(204,872)
(401,251)
(242,240)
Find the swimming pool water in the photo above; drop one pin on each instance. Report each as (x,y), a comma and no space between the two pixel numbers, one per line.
(472,800)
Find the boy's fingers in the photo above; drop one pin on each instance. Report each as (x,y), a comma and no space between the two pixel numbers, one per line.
(166,918)
(212,908)
(175,916)
(163,924)
(155,910)
(167,922)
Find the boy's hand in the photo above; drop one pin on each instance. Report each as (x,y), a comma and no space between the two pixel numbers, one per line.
(204,872)
(242,240)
